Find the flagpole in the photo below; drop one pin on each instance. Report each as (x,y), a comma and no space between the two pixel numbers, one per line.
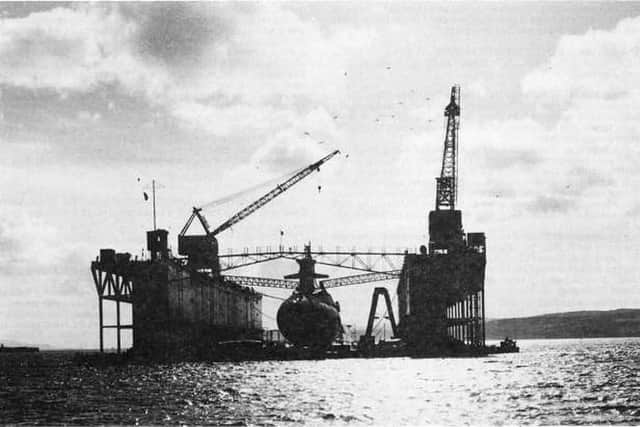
(153,188)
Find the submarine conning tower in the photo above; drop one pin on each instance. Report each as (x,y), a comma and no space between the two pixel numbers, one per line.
(441,289)
(309,317)
(307,273)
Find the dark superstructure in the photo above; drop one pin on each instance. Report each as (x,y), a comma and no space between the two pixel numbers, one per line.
(441,289)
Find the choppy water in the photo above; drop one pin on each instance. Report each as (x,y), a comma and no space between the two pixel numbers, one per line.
(549,382)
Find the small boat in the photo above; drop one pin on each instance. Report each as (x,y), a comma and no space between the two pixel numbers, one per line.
(508,345)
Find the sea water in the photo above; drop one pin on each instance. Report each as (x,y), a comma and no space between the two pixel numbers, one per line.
(549,382)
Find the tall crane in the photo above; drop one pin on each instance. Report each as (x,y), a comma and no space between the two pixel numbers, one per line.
(202,250)
(447,183)
(445,222)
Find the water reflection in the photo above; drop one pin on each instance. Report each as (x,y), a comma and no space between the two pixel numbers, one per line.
(550,382)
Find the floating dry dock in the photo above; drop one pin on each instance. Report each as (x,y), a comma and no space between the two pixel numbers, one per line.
(185,307)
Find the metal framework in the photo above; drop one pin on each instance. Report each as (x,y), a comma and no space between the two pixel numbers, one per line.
(369,261)
(262,282)
(357,279)
(465,319)
(280,188)
(196,213)
(447,183)
(372,312)
(360,278)
(111,285)
(254,206)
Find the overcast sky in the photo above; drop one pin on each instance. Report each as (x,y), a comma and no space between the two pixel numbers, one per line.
(211,98)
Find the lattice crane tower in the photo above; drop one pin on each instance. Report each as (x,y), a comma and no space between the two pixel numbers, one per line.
(445,222)
(447,183)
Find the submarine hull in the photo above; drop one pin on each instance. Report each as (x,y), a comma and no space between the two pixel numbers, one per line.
(309,320)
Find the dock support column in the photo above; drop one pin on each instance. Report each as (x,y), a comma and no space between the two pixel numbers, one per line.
(472,332)
(469,321)
(458,320)
(455,321)
(461,317)
(101,324)
(458,333)
(473,318)
(462,322)
(118,323)
(461,325)
(484,334)
(476,320)
(467,317)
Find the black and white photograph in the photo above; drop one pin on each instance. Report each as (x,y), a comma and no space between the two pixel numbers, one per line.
(322,213)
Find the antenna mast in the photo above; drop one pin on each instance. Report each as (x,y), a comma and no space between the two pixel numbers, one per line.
(153,191)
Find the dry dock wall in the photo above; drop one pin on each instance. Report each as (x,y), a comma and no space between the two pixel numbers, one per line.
(440,299)
(179,312)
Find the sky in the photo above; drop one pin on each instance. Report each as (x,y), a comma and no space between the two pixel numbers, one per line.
(97,100)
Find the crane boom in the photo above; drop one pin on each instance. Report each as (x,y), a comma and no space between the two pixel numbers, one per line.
(279,189)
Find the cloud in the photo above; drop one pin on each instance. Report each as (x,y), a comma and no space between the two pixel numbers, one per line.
(74,49)
(507,158)
(29,245)
(88,116)
(10,245)
(591,82)
(598,64)
(231,119)
(581,180)
(634,211)
(300,144)
(267,69)
(477,89)
(579,146)
(246,72)
(551,204)
(178,34)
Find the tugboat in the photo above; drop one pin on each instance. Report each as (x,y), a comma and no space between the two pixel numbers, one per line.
(508,346)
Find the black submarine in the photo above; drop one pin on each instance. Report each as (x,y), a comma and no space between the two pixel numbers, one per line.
(309,317)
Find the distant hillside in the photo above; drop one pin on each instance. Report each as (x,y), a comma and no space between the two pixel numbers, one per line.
(575,324)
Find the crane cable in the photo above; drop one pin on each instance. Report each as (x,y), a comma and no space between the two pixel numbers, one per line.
(269,296)
(246,191)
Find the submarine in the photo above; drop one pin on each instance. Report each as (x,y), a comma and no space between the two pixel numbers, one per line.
(309,317)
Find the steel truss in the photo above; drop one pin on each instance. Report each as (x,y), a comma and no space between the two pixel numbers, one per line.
(360,278)
(465,319)
(111,285)
(328,283)
(377,265)
(369,261)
